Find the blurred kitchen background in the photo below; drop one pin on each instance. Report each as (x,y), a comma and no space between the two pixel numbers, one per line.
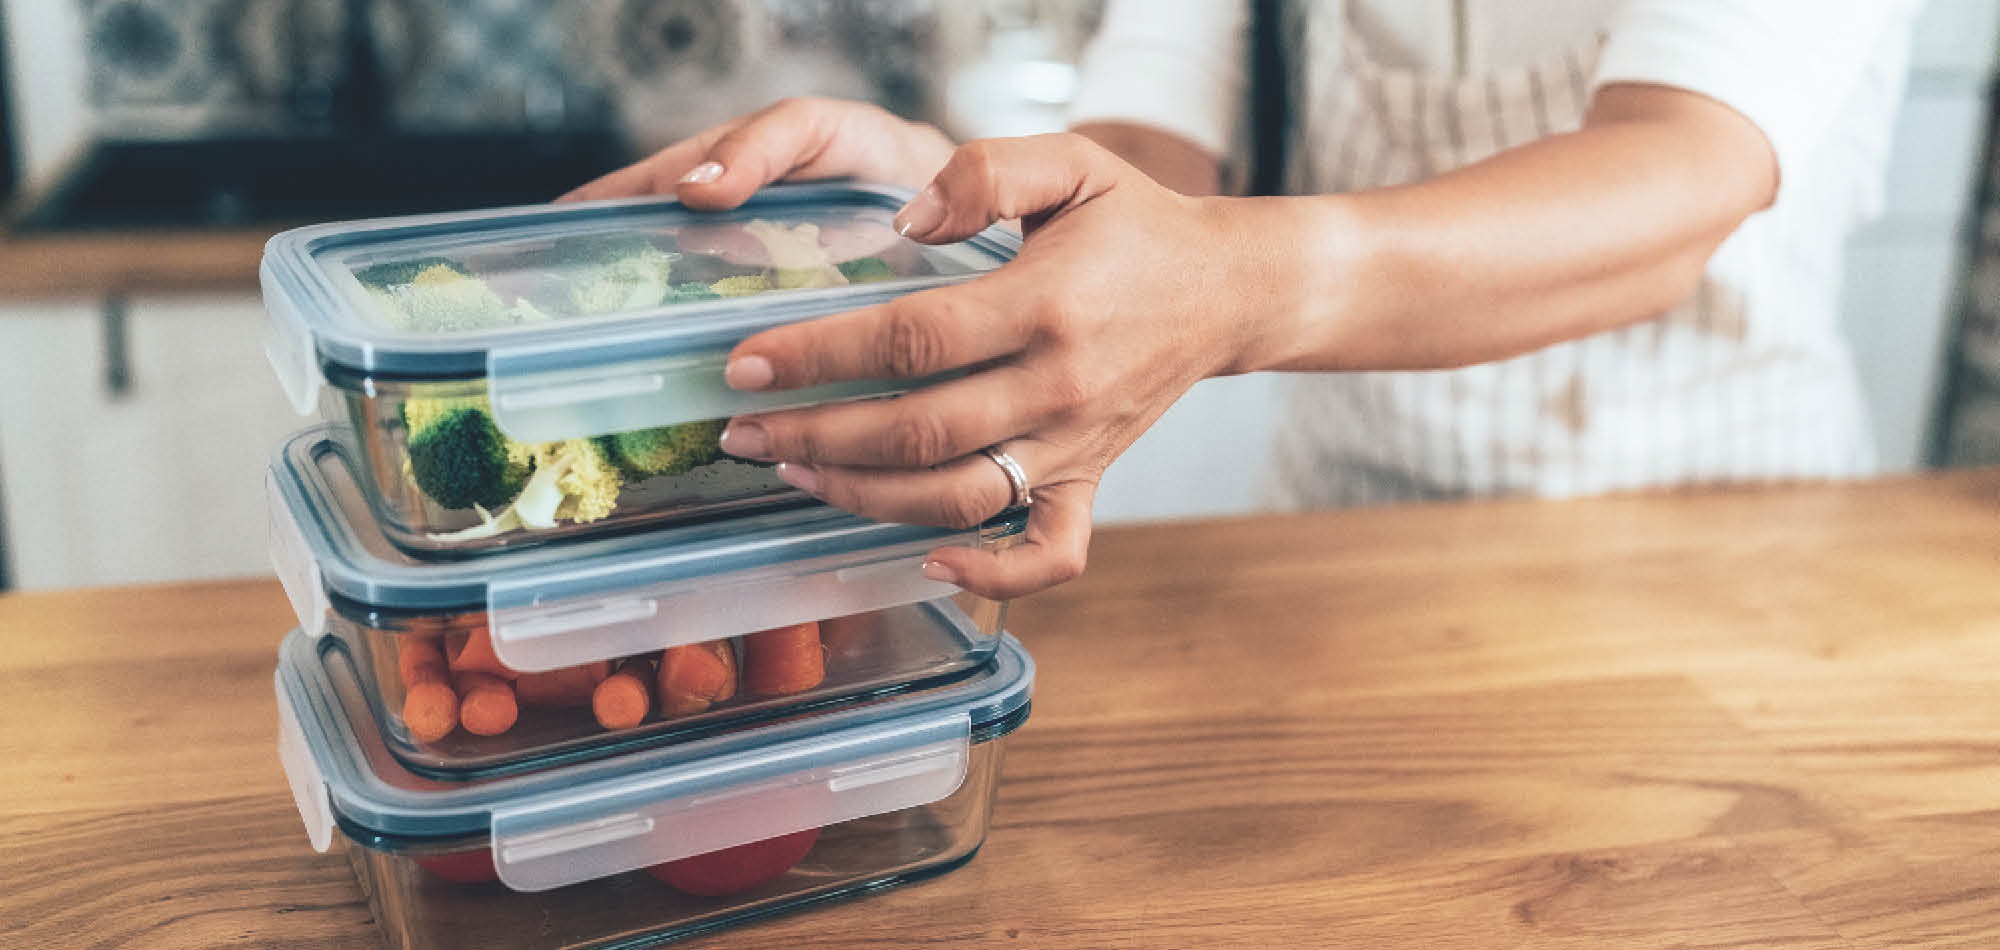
(151,145)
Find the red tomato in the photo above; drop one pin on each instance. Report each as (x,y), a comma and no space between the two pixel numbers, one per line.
(460,867)
(735,870)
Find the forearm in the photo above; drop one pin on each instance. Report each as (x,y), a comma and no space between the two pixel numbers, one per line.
(1565,237)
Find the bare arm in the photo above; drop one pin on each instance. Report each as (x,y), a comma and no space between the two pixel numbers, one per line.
(1126,293)
(1558,239)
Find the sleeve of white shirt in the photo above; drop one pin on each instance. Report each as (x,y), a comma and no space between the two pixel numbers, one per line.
(1176,65)
(1786,65)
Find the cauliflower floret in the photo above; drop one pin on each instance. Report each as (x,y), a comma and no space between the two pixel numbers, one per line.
(587,477)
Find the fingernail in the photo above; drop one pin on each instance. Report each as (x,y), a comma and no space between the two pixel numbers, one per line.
(702,174)
(746,440)
(922,215)
(749,372)
(801,477)
(940,573)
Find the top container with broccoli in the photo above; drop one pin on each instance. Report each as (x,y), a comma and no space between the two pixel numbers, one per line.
(518,375)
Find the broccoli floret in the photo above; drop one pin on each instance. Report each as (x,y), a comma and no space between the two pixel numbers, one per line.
(393,274)
(666,450)
(419,412)
(438,297)
(612,273)
(586,476)
(574,479)
(741,286)
(691,292)
(591,250)
(459,458)
(867,270)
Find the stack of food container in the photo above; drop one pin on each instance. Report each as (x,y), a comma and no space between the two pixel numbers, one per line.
(566,675)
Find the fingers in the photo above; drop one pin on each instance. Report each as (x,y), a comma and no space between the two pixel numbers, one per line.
(657,174)
(991,180)
(1053,549)
(784,141)
(962,493)
(929,426)
(721,167)
(907,338)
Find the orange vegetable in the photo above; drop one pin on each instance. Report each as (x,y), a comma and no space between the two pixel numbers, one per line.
(486,705)
(624,698)
(563,688)
(852,640)
(783,661)
(472,652)
(696,676)
(430,707)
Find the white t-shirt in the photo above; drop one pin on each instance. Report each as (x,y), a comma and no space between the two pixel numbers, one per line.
(1820,78)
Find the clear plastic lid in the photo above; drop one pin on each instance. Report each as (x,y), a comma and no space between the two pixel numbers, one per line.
(575,823)
(554,606)
(594,317)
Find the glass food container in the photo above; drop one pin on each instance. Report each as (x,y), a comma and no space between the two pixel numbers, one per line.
(518,375)
(479,667)
(654,845)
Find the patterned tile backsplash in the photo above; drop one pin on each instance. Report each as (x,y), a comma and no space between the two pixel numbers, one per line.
(659,68)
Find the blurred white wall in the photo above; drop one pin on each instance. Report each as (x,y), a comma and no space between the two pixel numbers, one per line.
(45,63)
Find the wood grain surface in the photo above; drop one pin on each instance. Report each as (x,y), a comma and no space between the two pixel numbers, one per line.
(93,264)
(1760,718)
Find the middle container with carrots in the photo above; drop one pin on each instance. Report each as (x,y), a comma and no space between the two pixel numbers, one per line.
(540,654)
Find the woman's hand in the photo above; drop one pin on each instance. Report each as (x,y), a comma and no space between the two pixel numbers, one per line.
(1124,295)
(794,140)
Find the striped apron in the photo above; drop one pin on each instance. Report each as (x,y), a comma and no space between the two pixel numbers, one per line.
(1698,394)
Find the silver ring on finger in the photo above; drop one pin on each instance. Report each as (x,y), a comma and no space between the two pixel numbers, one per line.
(1017,478)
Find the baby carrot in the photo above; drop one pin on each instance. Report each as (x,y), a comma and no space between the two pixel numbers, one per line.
(418,659)
(472,652)
(783,661)
(624,698)
(563,688)
(486,704)
(851,640)
(430,708)
(696,676)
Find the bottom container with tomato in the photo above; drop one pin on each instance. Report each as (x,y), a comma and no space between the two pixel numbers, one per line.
(659,843)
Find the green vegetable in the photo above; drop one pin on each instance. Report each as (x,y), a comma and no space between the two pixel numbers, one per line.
(574,480)
(393,274)
(586,477)
(691,292)
(867,270)
(741,286)
(666,450)
(459,458)
(612,273)
(591,250)
(435,295)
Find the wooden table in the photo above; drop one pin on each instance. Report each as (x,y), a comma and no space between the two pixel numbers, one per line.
(95,264)
(1747,719)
